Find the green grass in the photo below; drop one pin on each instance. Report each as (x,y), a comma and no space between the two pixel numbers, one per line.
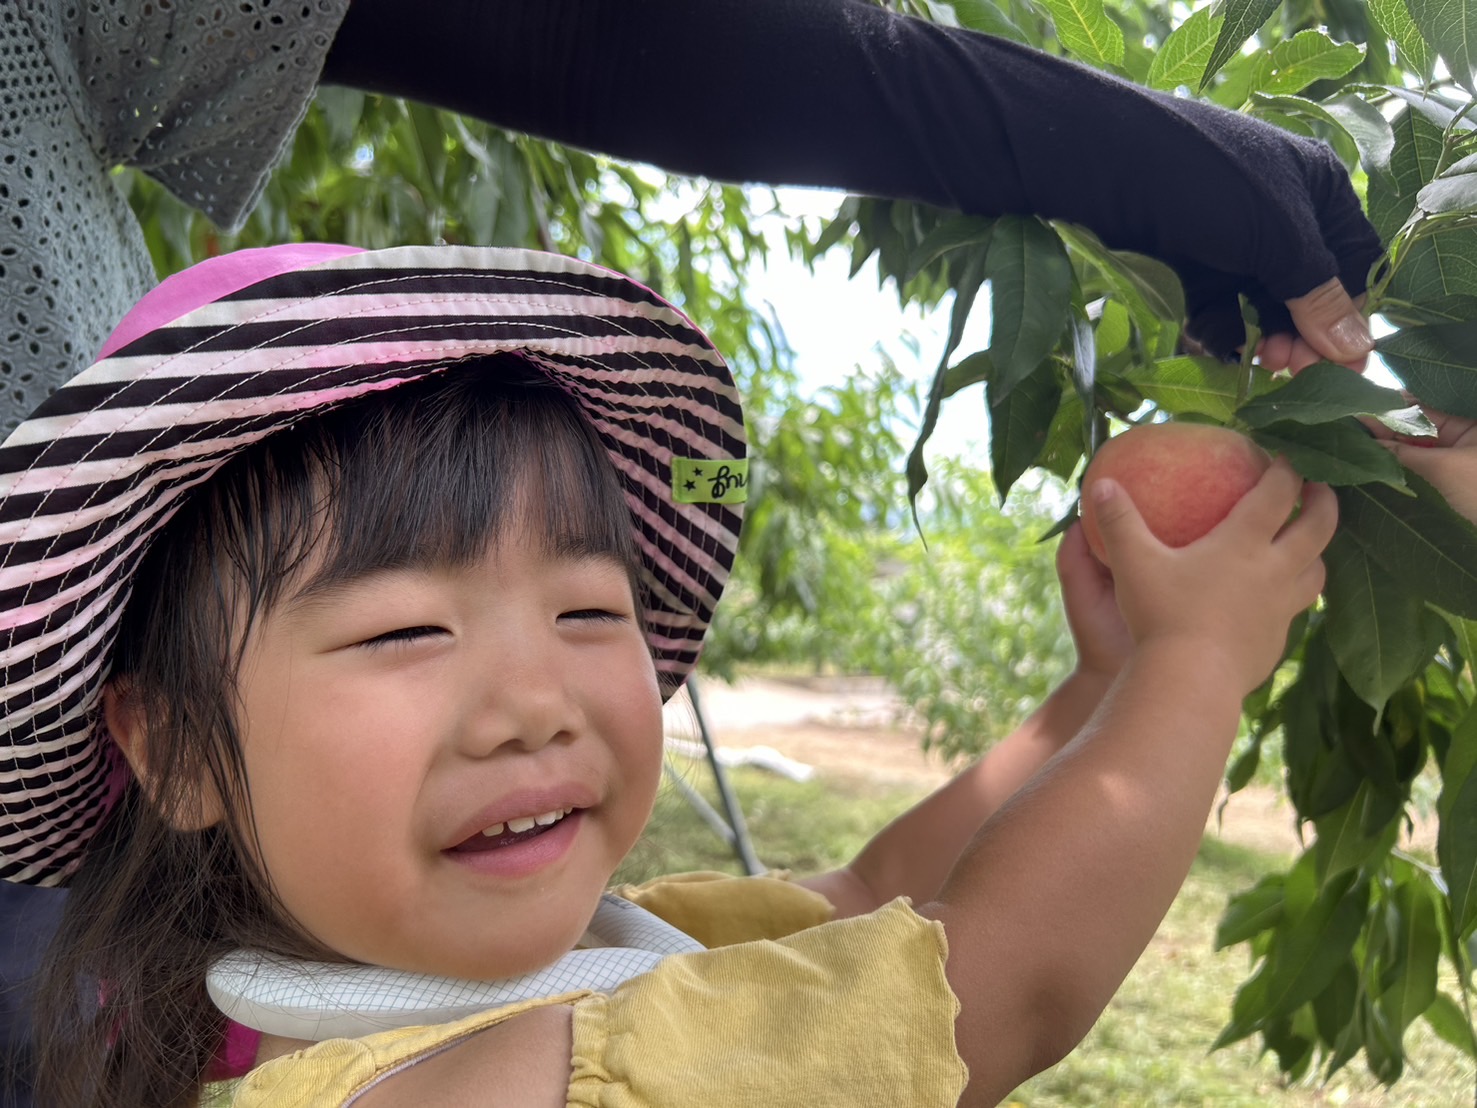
(1150,1046)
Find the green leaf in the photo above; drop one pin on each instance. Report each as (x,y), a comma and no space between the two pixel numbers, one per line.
(1085,29)
(1337,453)
(1030,279)
(1308,56)
(1466,639)
(1241,18)
(1250,913)
(1066,439)
(1453,191)
(952,233)
(1343,844)
(1333,1008)
(1369,129)
(1019,422)
(968,371)
(1114,328)
(1420,539)
(1393,18)
(1450,26)
(1182,57)
(985,16)
(965,292)
(1148,288)
(1451,1025)
(1205,386)
(1437,363)
(1409,421)
(1319,394)
(1374,623)
(1418,946)
(1306,951)
(1456,841)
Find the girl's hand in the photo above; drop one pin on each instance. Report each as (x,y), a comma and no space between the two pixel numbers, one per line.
(1098,631)
(1449,462)
(1229,597)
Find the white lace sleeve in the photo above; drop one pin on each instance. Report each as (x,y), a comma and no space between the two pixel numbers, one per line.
(201,94)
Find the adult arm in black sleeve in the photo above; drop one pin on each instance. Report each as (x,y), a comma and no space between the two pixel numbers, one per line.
(844,94)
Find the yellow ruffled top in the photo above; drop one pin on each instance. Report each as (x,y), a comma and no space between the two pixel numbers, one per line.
(786,1007)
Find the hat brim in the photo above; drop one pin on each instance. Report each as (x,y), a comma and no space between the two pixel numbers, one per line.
(103,464)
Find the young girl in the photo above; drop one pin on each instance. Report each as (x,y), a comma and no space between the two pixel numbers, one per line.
(340,600)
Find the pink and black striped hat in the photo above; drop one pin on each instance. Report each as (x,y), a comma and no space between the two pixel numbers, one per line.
(243,345)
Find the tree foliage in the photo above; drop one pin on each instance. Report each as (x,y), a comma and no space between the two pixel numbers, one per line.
(1377,687)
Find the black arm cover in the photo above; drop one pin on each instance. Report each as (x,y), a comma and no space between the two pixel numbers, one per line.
(843,94)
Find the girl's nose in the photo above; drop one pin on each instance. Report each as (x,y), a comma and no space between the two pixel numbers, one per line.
(522,694)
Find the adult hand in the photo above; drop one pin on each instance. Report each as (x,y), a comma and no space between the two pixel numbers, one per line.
(1329,327)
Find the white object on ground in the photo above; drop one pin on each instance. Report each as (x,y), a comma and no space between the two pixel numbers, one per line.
(764,757)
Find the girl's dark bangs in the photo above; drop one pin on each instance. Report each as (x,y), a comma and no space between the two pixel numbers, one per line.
(433,472)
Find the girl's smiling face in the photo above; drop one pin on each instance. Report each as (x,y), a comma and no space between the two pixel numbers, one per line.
(372,638)
(388,721)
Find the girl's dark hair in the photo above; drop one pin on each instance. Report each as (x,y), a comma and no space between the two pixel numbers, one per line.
(428,473)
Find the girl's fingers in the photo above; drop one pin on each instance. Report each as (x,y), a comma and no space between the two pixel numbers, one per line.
(1309,583)
(1306,537)
(1118,520)
(1267,505)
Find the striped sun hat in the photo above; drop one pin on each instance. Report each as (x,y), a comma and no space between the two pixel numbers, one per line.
(243,345)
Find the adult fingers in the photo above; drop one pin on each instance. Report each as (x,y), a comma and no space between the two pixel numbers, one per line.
(1328,320)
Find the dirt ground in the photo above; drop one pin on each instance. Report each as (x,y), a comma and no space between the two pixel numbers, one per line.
(847,727)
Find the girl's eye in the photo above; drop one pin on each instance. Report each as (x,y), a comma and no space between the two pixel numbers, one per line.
(596,615)
(402,635)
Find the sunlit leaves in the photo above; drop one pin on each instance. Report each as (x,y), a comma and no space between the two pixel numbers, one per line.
(1202,386)
(1240,20)
(1291,66)
(1450,26)
(1181,60)
(1085,29)
(1393,18)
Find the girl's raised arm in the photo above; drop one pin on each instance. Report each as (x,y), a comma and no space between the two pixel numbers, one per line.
(1058,894)
(913,855)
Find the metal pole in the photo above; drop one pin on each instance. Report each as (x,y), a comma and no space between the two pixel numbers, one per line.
(742,845)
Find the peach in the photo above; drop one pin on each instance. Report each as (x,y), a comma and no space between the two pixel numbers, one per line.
(1184,478)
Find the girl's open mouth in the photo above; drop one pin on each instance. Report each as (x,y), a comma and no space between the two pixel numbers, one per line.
(513,832)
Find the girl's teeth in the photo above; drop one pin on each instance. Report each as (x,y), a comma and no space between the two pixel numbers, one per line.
(526,823)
